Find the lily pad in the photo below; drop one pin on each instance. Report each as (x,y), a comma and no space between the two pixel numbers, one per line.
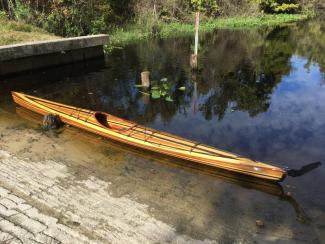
(182,88)
(163,93)
(145,93)
(155,94)
(164,79)
(166,86)
(169,99)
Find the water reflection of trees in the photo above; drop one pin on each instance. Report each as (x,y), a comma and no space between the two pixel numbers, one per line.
(241,69)
(238,70)
(310,38)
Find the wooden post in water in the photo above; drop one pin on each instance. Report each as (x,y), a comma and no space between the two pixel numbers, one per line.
(193,60)
(145,78)
(197,24)
(145,81)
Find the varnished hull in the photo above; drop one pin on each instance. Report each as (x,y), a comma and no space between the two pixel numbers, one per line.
(134,134)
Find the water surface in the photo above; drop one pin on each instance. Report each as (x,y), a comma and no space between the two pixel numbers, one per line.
(259,93)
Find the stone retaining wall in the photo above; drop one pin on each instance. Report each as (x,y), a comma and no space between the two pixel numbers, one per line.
(29,56)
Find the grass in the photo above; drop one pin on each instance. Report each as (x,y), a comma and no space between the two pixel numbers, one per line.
(12,32)
(122,36)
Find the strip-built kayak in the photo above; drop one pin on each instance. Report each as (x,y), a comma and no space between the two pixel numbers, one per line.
(131,133)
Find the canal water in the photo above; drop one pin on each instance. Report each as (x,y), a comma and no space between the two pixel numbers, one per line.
(257,92)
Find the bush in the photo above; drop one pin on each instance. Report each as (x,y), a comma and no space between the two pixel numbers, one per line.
(22,12)
(71,17)
(209,7)
(287,8)
(279,6)
(3,15)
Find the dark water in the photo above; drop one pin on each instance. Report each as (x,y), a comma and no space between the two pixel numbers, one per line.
(259,93)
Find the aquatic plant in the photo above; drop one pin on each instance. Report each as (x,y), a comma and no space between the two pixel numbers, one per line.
(162,89)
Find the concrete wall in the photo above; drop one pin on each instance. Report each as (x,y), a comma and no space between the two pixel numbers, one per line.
(36,55)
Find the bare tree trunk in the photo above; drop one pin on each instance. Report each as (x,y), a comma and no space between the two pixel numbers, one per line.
(9,2)
(4,5)
(10,7)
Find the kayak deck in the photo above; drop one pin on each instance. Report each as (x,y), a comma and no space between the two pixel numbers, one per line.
(128,132)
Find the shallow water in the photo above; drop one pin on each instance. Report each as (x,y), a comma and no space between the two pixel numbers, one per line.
(259,93)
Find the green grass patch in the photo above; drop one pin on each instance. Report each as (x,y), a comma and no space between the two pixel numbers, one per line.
(12,32)
(132,33)
(123,36)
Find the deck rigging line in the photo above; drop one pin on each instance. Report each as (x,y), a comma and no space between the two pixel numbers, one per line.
(194,146)
(153,132)
(203,150)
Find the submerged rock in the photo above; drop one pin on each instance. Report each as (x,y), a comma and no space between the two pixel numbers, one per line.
(51,121)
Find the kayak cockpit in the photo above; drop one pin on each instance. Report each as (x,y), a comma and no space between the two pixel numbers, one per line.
(102,119)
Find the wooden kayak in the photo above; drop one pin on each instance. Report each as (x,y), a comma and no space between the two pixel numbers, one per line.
(131,133)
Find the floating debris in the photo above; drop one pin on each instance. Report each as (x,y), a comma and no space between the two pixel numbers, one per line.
(169,99)
(145,93)
(260,223)
(164,79)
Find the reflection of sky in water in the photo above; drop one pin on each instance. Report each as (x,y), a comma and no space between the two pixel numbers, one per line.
(292,131)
